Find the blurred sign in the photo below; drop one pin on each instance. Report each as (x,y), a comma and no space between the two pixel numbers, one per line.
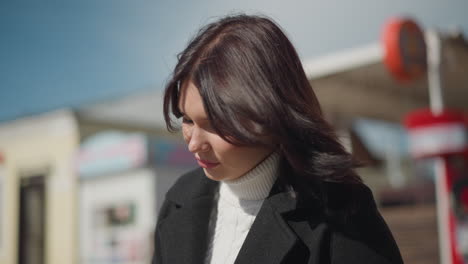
(172,153)
(405,49)
(436,135)
(111,151)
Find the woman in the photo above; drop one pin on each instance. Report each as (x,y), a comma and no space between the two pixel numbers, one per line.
(274,186)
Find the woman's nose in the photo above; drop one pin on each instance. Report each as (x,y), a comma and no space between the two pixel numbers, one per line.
(197,142)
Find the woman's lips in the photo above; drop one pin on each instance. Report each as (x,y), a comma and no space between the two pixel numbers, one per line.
(206,164)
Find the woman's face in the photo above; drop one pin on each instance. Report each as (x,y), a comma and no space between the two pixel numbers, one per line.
(220,160)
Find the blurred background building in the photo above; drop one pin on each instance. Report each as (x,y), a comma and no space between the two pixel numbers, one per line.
(85,159)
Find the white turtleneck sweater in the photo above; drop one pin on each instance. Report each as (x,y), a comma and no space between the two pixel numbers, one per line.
(238,204)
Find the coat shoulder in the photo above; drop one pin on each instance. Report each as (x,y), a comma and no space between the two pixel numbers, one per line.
(191,185)
(345,200)
(357,227)
(182,189)
(187,179)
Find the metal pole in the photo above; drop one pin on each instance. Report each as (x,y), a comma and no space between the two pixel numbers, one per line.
(434,50)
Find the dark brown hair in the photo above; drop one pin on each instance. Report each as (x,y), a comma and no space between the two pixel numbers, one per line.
(254,87)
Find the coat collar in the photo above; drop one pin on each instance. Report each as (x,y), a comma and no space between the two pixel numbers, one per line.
(184,232)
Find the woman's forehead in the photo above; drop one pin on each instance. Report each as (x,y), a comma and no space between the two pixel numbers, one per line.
(190,101)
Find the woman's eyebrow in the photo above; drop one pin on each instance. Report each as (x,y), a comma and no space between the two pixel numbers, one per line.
(202,119)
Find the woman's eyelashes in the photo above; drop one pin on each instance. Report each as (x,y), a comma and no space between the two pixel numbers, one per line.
(204,124)
(186,120)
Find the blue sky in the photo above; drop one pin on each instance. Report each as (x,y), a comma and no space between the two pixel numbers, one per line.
(55,54)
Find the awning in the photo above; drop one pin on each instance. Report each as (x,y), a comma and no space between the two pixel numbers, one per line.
(355,83)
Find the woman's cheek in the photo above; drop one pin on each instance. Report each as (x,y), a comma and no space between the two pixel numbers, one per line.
(224,150)
(186,133)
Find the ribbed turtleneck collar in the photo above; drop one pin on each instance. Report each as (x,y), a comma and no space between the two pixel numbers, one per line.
(255,184)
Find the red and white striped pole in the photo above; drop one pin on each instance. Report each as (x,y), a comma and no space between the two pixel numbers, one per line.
(445,223)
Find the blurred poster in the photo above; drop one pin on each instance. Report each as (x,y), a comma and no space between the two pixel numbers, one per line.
(117,238)
(117,217)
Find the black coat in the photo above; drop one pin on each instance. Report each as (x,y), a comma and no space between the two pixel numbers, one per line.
(284,231)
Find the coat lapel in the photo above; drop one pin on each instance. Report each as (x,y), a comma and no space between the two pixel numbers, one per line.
(184,231)
(270,239)
(285,230)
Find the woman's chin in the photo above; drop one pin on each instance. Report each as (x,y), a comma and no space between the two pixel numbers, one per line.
(213,176)
(218,175)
